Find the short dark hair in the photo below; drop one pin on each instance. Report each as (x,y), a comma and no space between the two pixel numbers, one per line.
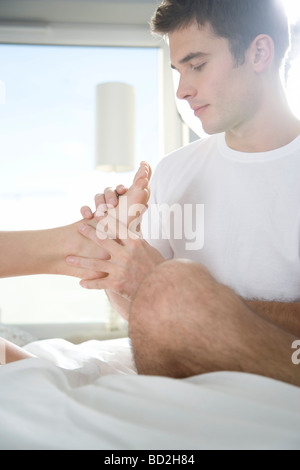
(239,21)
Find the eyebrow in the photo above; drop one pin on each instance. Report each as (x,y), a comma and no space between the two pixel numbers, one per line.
(189,57)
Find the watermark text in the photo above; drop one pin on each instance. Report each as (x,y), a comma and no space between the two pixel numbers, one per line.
(163,222)
(296,354)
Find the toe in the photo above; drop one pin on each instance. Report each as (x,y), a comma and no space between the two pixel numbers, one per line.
(143,172)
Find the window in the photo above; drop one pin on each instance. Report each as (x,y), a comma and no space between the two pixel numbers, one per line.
(47,122)
(48,127)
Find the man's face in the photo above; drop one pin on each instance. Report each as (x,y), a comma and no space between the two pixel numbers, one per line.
(224,96)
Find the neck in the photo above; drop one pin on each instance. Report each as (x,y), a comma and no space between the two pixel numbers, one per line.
(272,126)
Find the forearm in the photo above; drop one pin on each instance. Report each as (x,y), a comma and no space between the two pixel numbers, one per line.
(284,315)
(45,252)
(30,252)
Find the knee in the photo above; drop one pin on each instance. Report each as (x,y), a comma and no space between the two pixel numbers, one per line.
(170,307)
(168,282)
(177,293)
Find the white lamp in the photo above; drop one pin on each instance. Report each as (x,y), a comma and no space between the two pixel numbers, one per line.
(115,127)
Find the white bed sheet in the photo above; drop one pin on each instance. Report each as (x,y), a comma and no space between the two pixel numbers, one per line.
(90,397)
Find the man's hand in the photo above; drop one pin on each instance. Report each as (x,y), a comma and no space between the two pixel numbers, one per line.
(131,261)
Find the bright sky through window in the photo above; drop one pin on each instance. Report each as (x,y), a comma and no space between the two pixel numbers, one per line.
(293,9)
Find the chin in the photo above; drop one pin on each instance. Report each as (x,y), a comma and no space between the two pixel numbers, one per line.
(212,128)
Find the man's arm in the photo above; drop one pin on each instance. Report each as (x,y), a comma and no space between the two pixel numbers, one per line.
(284,315)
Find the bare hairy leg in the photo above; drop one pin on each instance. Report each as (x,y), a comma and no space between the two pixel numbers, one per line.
(183,323)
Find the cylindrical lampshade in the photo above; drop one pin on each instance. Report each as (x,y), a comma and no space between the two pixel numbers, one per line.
(115,127)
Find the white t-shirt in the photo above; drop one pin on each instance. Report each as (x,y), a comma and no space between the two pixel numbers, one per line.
(239,215)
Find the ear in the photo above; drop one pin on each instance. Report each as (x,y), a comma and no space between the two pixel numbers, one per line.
(262,52)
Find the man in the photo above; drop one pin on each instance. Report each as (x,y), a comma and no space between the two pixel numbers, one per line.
(187,316)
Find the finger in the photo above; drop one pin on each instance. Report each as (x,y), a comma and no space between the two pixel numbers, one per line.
(99,284)
(95,265)
(111,198)
(99,200)
(121,190)
(86,212)
(101,238)
(88,232)
(101,209)
(106,201)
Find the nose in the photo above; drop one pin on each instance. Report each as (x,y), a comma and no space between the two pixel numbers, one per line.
(185,89)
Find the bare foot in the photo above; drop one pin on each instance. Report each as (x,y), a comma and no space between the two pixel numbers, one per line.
(132,205)
(114,224)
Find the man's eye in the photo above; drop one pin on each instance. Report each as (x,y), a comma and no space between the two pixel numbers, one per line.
(199,67)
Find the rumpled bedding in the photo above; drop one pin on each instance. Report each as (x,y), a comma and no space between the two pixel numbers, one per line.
(89,397)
